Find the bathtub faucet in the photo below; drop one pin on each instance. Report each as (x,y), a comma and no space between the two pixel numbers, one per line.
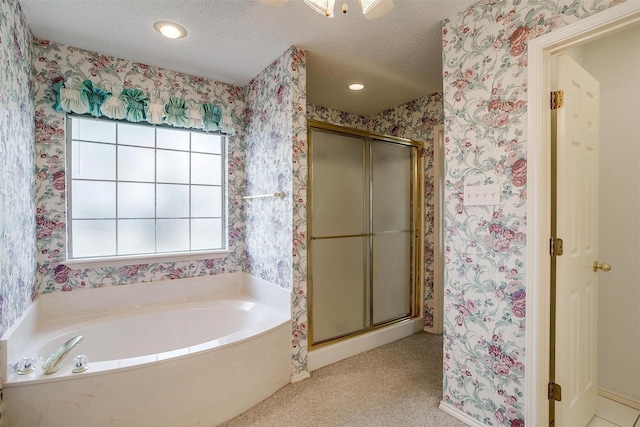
(52,364)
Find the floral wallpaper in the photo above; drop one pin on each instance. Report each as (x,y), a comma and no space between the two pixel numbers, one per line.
(413,120)
(276,154)
(485,93)
(299,178)
(53,62)
(268,156)
(342,118)
(17,209)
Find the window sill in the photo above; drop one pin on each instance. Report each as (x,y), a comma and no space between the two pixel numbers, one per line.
(143,259)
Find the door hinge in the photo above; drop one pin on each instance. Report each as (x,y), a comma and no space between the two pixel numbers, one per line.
(557,99)
(554,391)
(555,246)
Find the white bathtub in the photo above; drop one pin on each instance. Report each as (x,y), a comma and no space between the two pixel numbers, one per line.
(177,353)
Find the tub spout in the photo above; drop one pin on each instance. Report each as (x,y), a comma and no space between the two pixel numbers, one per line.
(52,364)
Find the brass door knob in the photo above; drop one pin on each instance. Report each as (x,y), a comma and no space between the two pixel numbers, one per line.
(604,266)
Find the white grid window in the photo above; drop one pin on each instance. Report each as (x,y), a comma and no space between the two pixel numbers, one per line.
(138,189)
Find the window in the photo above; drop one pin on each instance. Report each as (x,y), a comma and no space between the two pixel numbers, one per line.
(138,189)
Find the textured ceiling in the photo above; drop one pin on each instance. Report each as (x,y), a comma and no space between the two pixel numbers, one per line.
(396,54)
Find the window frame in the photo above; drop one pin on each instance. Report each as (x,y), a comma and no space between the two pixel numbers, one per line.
(145,258)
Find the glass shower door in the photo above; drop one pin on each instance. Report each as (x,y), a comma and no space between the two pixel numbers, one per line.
(391,166)
(363,233)
(340,239)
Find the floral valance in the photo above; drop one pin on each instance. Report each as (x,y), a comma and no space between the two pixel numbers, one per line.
(133,105)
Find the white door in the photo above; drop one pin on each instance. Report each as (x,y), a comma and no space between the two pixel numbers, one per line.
(577,153)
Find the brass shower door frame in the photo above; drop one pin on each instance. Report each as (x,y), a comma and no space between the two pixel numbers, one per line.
(417,221)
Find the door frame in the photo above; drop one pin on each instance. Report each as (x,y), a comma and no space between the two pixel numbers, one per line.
(438,230)
(538,271)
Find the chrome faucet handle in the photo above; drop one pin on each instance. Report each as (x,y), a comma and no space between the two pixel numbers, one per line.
(52,364)
(80,363)
(25,366)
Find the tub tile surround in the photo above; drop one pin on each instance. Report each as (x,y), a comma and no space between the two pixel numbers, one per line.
(485,93)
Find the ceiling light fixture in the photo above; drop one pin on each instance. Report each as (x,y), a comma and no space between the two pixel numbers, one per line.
(356,86)
(326,7)
(170,30)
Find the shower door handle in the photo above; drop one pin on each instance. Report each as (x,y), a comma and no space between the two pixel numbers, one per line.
(343,236)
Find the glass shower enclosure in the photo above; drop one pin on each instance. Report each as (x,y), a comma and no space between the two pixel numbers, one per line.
(364,231)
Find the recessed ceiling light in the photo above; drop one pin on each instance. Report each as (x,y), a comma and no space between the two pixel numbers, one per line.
(356,86)
(170,30)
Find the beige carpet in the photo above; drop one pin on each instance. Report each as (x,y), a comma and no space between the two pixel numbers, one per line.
(399,384)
